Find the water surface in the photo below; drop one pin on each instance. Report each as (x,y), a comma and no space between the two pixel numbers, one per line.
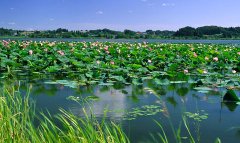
(136,108)
(231,42)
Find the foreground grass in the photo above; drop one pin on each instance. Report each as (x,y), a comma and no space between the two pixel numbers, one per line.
(18,125)
(17,117)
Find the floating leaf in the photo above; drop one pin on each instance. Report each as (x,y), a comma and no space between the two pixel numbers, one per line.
(178,81)
(203,88)
(50,82)
(95,98)
(105,84)
(162,82)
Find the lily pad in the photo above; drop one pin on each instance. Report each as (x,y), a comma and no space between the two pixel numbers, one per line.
(95,98)
(203,88)
(162,82)
(71,84)
(178,82)
(105,84)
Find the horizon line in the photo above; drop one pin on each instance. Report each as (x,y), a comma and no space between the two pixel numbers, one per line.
(69,29)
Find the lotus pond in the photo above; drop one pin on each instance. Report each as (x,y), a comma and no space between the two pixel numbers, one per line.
(155,92)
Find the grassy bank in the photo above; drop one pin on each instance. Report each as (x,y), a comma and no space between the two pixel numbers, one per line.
(17,115)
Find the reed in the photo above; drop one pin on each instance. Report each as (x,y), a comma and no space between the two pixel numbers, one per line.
(17,116)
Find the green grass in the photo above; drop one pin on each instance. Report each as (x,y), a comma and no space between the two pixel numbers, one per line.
(17,115)
(163,138)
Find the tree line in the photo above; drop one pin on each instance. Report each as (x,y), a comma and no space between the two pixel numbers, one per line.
(204,32)
(209,32)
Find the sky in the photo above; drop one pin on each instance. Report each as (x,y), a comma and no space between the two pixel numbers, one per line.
(137,15)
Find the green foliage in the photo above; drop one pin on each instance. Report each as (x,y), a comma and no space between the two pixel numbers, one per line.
(204,32)
(102,62)
(231,96)
(197,116)
(17,116)
(208,32)
(146,110)
(187,32)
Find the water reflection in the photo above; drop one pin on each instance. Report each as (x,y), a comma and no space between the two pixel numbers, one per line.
(230,105)
(119,100)
(110,99)
(119,95)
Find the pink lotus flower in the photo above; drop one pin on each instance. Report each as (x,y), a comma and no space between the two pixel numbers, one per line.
(30,52)
(106,48)
(194,54)
(238,53)
(215,59)
(185,71)
(112,63)
(5,43)
(60,52)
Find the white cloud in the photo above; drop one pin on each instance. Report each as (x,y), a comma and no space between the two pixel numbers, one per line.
(168,4)
(11,23)
(12,8)
(51,19)
(99,12)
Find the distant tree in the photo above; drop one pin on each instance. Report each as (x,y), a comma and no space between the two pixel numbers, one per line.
(61,30)
(150,32)
(186,32)
(210,30)
(5,32)
(129,32)
(164,34)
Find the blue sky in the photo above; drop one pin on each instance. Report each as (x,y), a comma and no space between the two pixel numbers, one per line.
(138,15)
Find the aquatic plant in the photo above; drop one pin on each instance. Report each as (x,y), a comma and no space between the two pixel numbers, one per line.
(230,96)
(18,123)
(103,62)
